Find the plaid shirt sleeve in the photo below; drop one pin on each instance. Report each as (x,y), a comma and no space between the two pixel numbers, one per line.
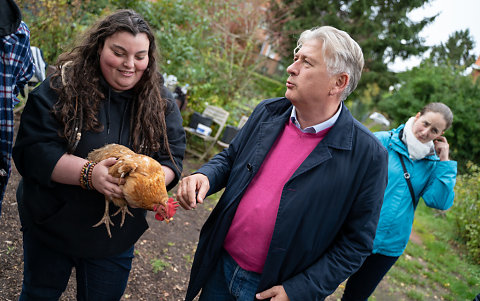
(17,62)
(16,68)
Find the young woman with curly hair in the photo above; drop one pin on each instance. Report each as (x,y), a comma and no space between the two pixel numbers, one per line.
(107,89)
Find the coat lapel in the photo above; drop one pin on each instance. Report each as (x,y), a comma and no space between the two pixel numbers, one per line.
(268,134)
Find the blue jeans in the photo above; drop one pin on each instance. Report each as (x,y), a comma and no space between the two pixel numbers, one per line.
(230,282)
(363,283)
(46,273)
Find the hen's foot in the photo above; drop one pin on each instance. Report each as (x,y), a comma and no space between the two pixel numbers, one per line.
(105,220)
(124,210)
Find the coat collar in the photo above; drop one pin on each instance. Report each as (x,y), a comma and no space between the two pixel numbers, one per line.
(340,135)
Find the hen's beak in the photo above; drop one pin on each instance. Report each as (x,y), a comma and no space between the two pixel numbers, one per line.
(168,212)
(161,212)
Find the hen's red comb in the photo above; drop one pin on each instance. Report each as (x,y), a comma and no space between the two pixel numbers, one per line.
(171,210)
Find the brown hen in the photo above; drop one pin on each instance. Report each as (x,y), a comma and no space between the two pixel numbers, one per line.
(144,181)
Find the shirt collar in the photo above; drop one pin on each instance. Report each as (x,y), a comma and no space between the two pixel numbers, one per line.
(318,127)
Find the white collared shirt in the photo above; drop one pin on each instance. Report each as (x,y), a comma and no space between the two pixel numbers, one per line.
(318,127)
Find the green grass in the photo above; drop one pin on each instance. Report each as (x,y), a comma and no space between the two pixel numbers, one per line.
(159,265)
(415,295)
(437,266)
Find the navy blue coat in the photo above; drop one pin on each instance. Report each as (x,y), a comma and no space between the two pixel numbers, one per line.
(328,211)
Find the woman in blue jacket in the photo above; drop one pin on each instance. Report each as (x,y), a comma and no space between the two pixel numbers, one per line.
(424,151)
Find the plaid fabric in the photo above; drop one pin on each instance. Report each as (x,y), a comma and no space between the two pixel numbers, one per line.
(16,68)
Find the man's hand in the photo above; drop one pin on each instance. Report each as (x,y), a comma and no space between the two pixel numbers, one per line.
(191,190)
(277,293)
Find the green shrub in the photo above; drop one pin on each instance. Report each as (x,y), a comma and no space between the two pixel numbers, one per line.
(208,45)
(55,24)
(466,209)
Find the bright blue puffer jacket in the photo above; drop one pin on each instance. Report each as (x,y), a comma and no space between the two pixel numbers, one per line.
(432,179)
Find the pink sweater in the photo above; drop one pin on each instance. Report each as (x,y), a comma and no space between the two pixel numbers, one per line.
(250,233)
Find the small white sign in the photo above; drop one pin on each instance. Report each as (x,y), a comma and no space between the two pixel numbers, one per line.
(203,129)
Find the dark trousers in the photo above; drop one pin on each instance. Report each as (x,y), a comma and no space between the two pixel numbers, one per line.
(362,284)
(46,273)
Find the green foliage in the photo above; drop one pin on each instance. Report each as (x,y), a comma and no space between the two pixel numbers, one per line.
(212,46)
(382,29)
(466,210)
(361,102)
(271,87)
(55,24)
(430,83)
(456,52)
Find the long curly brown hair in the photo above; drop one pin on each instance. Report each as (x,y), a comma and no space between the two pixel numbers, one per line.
(77,82)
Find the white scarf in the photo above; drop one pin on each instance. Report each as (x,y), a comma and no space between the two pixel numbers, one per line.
(416,149)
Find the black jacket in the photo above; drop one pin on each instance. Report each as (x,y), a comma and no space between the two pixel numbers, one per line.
(62,215)
(10,17)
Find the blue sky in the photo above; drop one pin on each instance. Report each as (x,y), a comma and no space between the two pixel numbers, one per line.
(454,15)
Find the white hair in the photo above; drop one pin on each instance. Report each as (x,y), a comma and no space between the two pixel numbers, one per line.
(340,52)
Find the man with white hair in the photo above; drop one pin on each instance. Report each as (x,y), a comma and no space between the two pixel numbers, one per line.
(304,184)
